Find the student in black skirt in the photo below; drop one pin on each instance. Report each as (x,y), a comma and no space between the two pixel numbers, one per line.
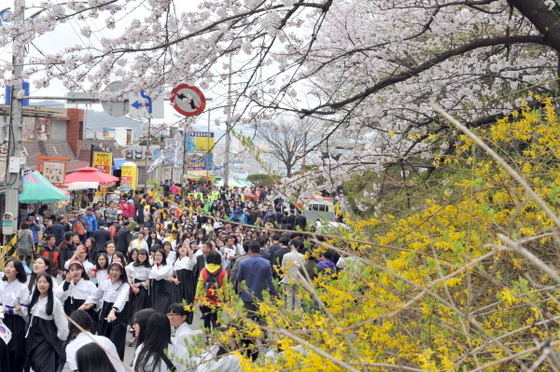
(14,298)
(183,281)
(113,318)
(159,282)
(48,327)
(138,272)
(76,289)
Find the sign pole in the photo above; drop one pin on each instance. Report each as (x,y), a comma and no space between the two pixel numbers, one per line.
(13,174)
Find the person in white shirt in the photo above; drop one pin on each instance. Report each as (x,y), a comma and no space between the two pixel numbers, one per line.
(76,289)
(184,335)
(100,272)
(14,298)
(138,273)
(81,256)
(80,339)
(159,282)
(183,279)
(46,327)
(157,353)
(139,243)
(113,295)
(291,263)
(216,359)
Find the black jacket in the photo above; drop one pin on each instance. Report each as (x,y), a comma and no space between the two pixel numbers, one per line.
(123,239)
(101,237)
(58,231)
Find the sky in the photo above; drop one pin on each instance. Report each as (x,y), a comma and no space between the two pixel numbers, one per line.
(68,34)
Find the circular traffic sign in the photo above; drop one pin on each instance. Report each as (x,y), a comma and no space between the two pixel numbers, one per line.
(117,108)
(188,100)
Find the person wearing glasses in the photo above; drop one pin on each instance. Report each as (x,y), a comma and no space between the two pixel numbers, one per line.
(177,316)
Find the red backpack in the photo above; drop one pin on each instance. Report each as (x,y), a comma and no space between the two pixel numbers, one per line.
(212,283)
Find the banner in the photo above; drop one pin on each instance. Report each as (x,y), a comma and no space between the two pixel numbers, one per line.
(200,142)
(201,162)
(103,161)
(129,178)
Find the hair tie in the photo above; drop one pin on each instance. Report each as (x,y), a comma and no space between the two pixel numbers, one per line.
(118,263)
(76,262)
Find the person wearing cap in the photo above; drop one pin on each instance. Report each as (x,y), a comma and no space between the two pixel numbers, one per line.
(35,229)
(91,222)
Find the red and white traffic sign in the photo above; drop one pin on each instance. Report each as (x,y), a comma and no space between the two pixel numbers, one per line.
(188,100)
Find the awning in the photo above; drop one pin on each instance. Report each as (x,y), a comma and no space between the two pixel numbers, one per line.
(89,174)
(37,188)
(82,185)
(118,163)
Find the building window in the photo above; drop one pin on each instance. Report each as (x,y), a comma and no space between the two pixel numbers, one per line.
(80,131)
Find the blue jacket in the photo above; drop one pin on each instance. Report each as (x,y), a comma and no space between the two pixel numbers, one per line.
(91,220)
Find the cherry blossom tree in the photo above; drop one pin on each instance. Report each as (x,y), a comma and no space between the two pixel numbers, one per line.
(367,68)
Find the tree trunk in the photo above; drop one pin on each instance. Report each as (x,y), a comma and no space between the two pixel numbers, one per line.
(546,20)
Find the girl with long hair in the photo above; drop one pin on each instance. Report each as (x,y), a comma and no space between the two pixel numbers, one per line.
(153,239)
(113,295)
(67,247)
(170,254)
(183,279)
(91,358)
(159,282)
(139,321)
(47,329)
(91,247)
(138,273)
(77,339)
(41,265)
(80,255)
(76,289)
(151,355)
(132,254)
(100,271)
(14,298)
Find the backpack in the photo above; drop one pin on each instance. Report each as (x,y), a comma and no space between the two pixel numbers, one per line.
(212,283)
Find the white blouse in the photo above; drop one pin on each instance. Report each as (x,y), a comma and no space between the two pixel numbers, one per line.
(184,336)
(79,291)
(101,276)
(161,272)
(184,263)
(39,310)
(13,294)
(111,293)
(174,353)
(137,272)
(86,264)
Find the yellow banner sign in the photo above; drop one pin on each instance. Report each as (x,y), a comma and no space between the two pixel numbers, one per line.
(129,178)
(103,161)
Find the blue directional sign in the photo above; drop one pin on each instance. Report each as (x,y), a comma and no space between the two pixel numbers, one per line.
(144,106)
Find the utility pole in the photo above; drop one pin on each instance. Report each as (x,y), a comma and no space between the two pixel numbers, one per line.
(13,173)
(228,134)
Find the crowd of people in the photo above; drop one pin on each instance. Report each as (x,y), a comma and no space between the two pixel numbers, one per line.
(135,264)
